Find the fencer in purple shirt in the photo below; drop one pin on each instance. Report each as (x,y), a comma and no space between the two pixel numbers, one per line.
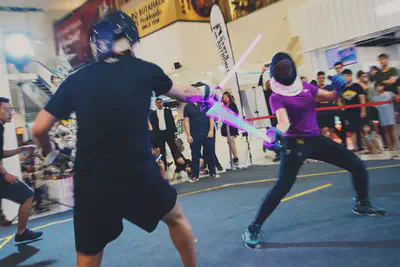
(298,138)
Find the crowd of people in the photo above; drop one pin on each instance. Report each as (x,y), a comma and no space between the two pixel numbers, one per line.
(368,129)
(371,129)
(200,132)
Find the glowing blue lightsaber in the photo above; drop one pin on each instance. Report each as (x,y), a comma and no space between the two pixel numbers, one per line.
(220,112)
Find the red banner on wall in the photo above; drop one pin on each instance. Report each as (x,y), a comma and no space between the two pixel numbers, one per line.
(72,32)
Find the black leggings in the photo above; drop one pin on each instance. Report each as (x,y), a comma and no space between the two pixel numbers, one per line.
(319,148)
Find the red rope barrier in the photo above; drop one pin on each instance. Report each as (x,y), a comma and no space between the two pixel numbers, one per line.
(371,104)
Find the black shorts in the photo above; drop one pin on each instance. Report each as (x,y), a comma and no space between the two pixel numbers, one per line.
(353,121)
(17,193)
(143,198)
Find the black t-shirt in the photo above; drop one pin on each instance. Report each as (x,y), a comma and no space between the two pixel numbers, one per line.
(1,141)
(112,103)
(198,120)
(383,76)
(351,95)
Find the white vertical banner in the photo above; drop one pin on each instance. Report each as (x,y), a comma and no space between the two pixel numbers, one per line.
(221,36)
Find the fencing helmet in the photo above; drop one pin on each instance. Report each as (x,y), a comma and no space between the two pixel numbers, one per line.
(116,32)
(284,78)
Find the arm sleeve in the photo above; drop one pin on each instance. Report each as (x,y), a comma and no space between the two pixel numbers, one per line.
(60,105)
(276,102)
(161,82)
(394,72)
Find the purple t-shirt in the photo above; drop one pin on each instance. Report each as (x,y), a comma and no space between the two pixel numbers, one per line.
(300,109)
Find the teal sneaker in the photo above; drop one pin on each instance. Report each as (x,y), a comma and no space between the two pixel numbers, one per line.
(253,235)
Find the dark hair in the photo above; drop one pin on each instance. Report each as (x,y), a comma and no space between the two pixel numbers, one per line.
(4,100)
(360,73)
(374,68)
(381,56)
(303,77)
(230,96)
(347,71)
(320,73)
(338,63)
(158,99)
(379,84)
(314,82)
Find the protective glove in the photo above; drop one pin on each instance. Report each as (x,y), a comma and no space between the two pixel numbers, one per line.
(339,84)
(275,136)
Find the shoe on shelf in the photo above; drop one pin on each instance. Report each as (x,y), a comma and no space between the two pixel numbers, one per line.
(220,168)
(28,235)
(253,235)
(365,207)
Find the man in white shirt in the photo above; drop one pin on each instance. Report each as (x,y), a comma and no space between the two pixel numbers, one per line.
(164,129)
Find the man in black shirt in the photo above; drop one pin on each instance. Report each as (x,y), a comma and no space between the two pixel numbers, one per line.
(10,187)
(200,133)
(387,75)
(355,117)
(115,169)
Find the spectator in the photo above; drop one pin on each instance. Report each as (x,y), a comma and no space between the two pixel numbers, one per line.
(373,74)
(370,92)
(233,132)
(321,79)
(267,94)
(184,164)
(10,187)
(353,94)
(386,115)
(370,139)
(164,129)
(314,82)
(325,118)
(387,75)
(200,132)
(339,67)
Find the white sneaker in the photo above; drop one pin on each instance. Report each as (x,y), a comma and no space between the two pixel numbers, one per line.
(216,176)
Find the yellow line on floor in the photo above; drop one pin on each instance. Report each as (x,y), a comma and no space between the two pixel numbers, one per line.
(274,179)
(306,192)
(8,238)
